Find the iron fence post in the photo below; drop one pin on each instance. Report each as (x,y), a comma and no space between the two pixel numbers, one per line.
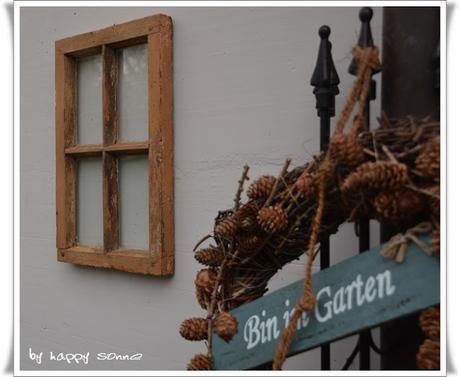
(325,81)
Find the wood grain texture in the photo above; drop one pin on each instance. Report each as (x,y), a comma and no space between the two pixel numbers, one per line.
(90,150)
(65,137)
(136,261)
(116,35)
(161,180)
(110,136)
(128,148)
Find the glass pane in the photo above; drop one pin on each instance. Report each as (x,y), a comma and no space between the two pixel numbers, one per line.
(134,202)
(89,100)
(89,202)
(132,93)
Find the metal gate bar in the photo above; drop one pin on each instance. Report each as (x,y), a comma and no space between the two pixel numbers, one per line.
(325,81)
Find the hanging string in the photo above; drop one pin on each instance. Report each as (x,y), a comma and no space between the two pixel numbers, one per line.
(367,61)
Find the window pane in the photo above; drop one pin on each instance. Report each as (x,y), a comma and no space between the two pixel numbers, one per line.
(132,93)
(89,98)
(89,202)
(134,202)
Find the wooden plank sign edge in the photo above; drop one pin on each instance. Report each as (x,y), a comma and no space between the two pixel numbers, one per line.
(358,293)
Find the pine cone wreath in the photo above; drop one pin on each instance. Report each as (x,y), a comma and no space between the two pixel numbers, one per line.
(204,286)
(398,204)
(380,175)
(428,162)
(429,323)
(346,150)
(194,329)
(272,219)
(210,256)
(226,228)
(261,187)
(306,185)
(200,362)
(225,326)
(428,355)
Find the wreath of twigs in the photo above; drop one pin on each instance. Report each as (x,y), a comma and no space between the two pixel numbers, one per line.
(391,173)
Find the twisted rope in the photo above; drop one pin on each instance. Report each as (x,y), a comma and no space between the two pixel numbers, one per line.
(368,61)
(368,58)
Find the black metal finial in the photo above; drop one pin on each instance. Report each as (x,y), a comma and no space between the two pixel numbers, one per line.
(365,37)
(325,78)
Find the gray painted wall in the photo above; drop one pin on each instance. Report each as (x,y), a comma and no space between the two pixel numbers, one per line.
(241,95)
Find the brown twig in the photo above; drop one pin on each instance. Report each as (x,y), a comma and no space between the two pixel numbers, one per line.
(275,186)
(243,178)
(207,236)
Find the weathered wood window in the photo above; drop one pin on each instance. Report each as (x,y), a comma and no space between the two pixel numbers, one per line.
(114,147)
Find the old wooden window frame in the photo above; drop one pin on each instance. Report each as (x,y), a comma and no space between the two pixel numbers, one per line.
(156,31)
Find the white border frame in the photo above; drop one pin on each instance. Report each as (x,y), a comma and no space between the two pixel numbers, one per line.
(19,4)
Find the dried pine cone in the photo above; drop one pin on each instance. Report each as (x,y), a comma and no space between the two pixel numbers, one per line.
(248,243)
(226,228)
(306,184)
(428,355)
(194,329)
(204,285)
(428,161)
(398,204)
(226,326)
(246,216)
(346,150)
(380,175)
(429,323)
(261,187)
(200,362)
(436,241)
(249,209)
(272,219)
(202,297)
(210,256)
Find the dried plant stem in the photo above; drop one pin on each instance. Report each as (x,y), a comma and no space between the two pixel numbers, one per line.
(207,236)
(243,178)
(275,186)
(390,155)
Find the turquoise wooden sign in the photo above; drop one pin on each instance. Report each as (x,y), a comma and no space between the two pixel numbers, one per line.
(359,293)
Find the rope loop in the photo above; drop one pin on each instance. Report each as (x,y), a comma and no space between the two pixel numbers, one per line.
(397,246)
